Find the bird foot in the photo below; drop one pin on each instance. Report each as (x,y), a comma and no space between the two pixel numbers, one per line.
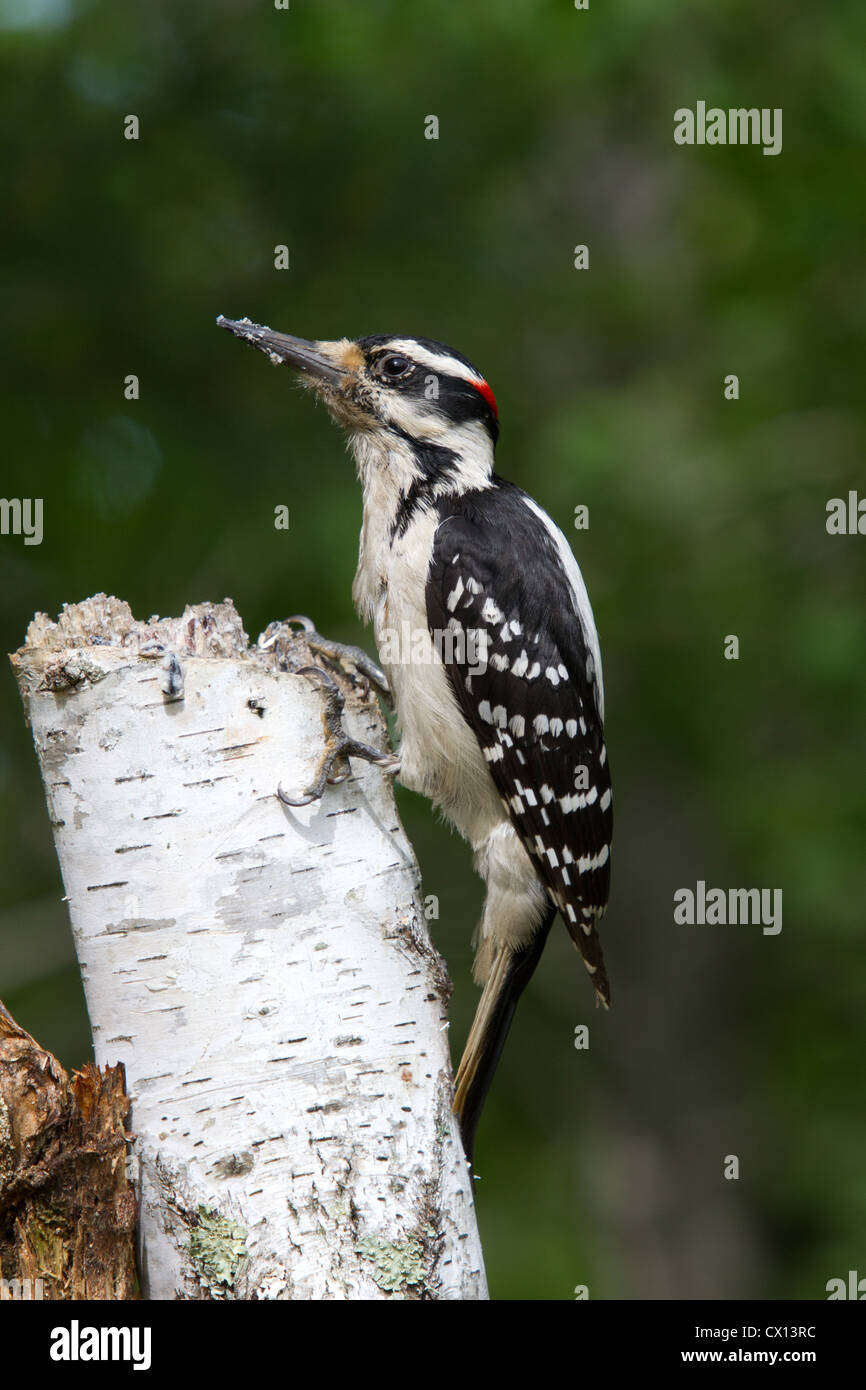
(344,654)
(333,766)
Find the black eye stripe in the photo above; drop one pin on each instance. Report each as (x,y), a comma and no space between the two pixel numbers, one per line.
(433,389)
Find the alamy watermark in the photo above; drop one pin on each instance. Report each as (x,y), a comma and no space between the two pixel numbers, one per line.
(22,516)
(703,906)
(853,1287)
(846,516)
(21,1290)
(77,1343)
(735,126)
(421,645)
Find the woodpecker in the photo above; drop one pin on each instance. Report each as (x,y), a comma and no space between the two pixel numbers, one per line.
(504,731)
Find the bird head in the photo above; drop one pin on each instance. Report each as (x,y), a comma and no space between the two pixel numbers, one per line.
(410,406)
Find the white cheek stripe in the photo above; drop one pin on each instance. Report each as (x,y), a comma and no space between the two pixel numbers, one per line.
(436,361)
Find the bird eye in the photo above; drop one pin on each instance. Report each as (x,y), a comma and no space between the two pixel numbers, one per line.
(394,366)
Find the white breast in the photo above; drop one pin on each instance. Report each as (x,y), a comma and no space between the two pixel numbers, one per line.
(440,756)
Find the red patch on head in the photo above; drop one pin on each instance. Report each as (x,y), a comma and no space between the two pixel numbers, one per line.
(484,390)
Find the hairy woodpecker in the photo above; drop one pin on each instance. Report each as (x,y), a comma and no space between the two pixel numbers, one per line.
(511,746)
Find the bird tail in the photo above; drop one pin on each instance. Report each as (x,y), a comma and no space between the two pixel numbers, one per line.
(586,940)
(509,974)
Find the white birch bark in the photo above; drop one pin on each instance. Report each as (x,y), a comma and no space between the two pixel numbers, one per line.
(264,973)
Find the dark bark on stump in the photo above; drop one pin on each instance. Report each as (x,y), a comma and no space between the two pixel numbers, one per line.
(67,1208)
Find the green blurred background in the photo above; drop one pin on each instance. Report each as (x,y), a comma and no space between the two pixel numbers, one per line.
(707,517)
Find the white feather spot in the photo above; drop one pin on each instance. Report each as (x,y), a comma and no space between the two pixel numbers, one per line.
(490,613)
(588,862)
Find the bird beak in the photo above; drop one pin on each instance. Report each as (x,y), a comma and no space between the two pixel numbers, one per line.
(282,347)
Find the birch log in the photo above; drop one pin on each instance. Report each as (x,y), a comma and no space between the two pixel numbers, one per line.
(264,973)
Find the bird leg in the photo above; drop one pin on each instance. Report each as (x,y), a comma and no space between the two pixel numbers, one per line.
(333,766)
(344,653)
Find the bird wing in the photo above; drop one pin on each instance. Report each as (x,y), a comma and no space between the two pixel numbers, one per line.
(529,685)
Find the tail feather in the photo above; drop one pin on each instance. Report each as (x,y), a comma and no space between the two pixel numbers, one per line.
(508,977)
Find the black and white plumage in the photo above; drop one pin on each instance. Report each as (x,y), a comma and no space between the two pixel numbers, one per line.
(537,708)
(499,699)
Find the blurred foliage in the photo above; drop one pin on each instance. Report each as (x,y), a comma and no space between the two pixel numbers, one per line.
(306,127)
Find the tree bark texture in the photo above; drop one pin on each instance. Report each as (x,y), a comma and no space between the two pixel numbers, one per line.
(264,973)
(67,1207)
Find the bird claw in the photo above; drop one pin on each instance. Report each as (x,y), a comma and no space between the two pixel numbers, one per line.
(333,766)
(343,652)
